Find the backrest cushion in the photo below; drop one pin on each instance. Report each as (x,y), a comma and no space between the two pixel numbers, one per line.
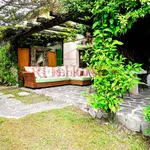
(49,72)
(40,72)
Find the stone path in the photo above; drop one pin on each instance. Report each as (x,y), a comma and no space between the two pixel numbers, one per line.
(69,94)
(12,108)
(130,114)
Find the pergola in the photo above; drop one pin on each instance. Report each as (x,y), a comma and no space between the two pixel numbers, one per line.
(136,40)
(57,25)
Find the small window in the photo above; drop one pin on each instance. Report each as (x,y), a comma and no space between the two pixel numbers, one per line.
(39,58)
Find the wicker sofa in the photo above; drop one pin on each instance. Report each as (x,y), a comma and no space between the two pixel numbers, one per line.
(38,77)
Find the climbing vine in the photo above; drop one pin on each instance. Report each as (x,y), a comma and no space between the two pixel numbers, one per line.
(113,77)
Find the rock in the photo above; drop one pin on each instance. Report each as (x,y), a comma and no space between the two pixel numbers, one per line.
(92,112)
(105,115)
(133,123)
(84,107)
(23,93)
(121,118)
(99,114)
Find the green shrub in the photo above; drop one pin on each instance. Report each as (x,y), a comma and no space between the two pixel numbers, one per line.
(147,116)
(113,78)
(8,68)
(114,75)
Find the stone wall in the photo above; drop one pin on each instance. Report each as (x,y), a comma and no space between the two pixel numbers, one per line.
(34,50)
(130,115)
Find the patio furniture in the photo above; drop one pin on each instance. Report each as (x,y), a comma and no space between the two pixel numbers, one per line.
(53,76)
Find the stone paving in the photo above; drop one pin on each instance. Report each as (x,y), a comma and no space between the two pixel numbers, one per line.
(130,115)
(12,108)
(69,94)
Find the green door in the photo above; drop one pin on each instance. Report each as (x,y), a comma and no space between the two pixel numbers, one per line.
(59,57)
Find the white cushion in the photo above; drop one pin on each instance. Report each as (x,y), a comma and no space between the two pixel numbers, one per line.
(40,72)
(49,72)
(76,72)
(68,71)
(59,72)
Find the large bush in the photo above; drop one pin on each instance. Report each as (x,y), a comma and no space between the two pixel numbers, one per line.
(8,69)
(113,76)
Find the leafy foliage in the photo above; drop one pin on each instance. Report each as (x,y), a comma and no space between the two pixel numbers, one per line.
(147,116)
(8,69)
(113,77)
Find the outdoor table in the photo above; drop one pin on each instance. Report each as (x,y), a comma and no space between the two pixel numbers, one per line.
(135,90)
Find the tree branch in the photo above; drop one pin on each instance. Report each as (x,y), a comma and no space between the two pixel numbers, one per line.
(48,24)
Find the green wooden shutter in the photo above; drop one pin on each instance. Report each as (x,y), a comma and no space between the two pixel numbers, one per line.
(59,57)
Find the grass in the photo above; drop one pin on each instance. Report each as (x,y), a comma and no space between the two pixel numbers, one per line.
(29,99)
(65,129)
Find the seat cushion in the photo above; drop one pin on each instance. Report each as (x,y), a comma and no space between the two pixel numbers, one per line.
(82,78)
(40,80)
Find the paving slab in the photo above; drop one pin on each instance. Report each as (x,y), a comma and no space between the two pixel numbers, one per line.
(7,96)
(4,111)
(18,107)
(13,108)
(2,102)
(11,101)
(23,93)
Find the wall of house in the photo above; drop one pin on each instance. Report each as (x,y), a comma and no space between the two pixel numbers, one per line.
(71,54)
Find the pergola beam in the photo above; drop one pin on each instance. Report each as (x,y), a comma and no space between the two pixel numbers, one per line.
(58,19)
(48,24)
(59,30)
(69,26)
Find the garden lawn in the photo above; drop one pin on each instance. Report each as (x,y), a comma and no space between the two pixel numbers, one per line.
(28,99)
(65,129)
